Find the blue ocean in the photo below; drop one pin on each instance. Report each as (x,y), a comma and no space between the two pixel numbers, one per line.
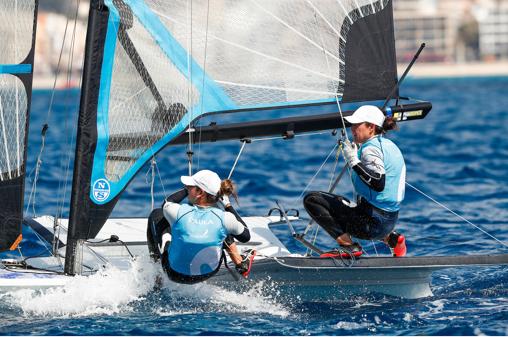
(456,157)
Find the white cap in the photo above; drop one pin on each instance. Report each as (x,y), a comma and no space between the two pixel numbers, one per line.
(367,113)
(206,180)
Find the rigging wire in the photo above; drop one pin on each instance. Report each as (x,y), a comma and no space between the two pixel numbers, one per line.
(458,215)
(315,175)
(237,157)
(189,87)
(66,164)
(33,191)
(203,80)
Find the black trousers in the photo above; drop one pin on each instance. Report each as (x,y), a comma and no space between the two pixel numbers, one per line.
(333,213)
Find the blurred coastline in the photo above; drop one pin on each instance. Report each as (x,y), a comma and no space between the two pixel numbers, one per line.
(464,38)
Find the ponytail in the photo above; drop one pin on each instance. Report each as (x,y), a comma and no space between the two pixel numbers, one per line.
(227,187)
(389,124)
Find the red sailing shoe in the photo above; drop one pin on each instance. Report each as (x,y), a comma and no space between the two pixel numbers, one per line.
(397,244)
(400,248)
(345,252)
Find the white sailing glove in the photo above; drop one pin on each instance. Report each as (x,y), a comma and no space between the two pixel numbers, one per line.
(225,201)
(350,153)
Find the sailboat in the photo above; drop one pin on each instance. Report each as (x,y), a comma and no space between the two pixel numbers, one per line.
(153,71)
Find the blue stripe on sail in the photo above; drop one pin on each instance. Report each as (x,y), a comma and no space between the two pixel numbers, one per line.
(15,68)
(103,107)
(214,97)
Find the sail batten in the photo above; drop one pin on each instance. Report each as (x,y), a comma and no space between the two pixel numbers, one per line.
(327,93)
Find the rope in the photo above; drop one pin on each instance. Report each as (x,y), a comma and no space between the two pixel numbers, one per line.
(315,175)
(48,114)
(66,165)
(151,170)
(203,80)
(314,239)
(458,215)
(33,190)
(160,179)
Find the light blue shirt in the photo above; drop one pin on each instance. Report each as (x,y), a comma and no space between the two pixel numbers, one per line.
(394,167)
(197,238)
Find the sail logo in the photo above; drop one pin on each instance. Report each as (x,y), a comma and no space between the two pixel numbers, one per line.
(100,190)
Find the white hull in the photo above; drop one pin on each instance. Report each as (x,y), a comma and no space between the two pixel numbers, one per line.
(309,278)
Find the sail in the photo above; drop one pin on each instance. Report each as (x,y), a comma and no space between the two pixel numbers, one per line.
(153,67)
(17,28)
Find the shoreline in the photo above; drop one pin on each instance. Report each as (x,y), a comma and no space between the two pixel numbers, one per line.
(419,71)
(455,70)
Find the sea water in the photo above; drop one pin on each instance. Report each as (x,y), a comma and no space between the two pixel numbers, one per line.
(457,155)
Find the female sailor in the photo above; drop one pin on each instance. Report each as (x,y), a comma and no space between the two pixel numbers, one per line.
(378,176)
(189,238)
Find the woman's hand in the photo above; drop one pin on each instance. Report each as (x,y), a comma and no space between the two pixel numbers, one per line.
(225,201)
(350,152)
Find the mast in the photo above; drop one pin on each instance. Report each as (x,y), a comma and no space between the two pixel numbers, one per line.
(86,132)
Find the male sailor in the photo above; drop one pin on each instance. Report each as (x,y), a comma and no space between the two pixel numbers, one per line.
(378,176)
(189,238)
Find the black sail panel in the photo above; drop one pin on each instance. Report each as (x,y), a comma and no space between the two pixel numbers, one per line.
(371,68)
(18,25)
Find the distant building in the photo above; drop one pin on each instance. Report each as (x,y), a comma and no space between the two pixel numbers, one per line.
(493,29)
(418,21)
(434,22)
(454,30)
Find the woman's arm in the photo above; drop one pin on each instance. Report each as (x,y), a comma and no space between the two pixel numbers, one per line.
(371,169)
(171,205)
(234,222)
(176,197)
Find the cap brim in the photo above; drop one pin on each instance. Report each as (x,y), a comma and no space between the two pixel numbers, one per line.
(187,181)
(354,119)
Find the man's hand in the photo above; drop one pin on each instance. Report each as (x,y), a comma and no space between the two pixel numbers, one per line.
(350,153)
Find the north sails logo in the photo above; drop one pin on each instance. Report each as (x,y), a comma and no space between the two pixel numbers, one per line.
(101,189)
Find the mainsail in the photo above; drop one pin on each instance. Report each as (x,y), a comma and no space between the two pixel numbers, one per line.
(17,28)
(152,68)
